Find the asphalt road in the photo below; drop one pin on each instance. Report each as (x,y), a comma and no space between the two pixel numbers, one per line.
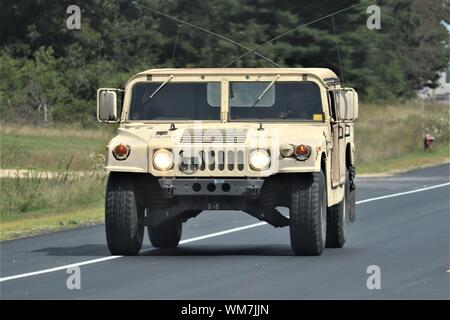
(406,235)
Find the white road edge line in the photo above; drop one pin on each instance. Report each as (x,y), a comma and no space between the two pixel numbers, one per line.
(78,264)
(404,193)
(211,235)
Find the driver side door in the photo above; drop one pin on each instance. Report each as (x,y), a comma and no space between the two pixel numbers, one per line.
(338,141)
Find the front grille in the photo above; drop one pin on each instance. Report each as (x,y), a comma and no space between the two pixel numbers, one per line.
(211,160)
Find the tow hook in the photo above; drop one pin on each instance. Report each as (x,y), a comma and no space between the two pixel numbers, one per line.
(167,188)
(253,191)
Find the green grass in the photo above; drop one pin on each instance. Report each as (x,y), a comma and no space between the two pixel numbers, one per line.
(439,154)
(52,149)
(386,134)
(34,205)
(49,221)
(37,205)
(20,196)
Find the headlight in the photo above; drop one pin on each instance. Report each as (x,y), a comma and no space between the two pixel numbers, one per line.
(163,160)
(259,160)
(286,150)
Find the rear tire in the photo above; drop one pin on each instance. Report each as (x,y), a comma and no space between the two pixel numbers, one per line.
(166,235)
(351,192)
(336,224)
(124,230)
(308,214)
(338,218)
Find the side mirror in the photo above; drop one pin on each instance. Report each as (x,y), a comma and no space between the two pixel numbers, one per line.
(107,105)
(347,100)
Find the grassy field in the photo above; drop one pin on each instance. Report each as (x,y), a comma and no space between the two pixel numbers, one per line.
(37,204)
(24,195)
(52,149)
(411,160)
(44,221)
(33,205)
(387,137)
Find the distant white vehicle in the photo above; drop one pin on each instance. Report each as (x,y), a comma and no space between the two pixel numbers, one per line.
(442,92)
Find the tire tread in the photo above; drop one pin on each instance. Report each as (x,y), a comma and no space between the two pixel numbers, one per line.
(124,235)
(304,214)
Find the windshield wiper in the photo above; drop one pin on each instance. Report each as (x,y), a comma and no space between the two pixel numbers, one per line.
(157,90)
(265,91)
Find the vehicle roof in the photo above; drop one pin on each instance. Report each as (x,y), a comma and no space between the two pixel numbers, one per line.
(323,73)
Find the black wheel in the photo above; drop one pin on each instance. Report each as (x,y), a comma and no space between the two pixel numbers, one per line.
(339,216)
(337,222)
(166,235)
(308,214)
(124,230)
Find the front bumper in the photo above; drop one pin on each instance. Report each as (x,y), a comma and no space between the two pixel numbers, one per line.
(250,187)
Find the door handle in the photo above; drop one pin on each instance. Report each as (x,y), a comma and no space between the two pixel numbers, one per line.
(347,127)
(340,132)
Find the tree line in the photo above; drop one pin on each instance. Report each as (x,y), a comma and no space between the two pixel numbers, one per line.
(48,70)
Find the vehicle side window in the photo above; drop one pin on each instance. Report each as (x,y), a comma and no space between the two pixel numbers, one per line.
(331,100)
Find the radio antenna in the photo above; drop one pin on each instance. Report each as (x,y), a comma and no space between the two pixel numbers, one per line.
(290,31)
(249,50)
(338,51)
(175,44)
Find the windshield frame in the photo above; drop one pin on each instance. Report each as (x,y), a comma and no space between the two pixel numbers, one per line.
(225,80)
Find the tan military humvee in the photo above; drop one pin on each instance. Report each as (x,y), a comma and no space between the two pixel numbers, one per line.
(230,139)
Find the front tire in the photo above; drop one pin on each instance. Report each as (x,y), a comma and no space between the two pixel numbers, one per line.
(166,235)
(124,231)
(308,214)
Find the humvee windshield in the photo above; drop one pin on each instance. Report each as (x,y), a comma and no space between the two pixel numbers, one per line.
(174,101)
(201,101)
(283,100)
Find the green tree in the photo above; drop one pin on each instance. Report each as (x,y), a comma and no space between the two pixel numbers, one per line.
(42,63)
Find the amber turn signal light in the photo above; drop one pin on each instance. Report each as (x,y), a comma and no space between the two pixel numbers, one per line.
(302,152)
(302,149)
(121,152)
